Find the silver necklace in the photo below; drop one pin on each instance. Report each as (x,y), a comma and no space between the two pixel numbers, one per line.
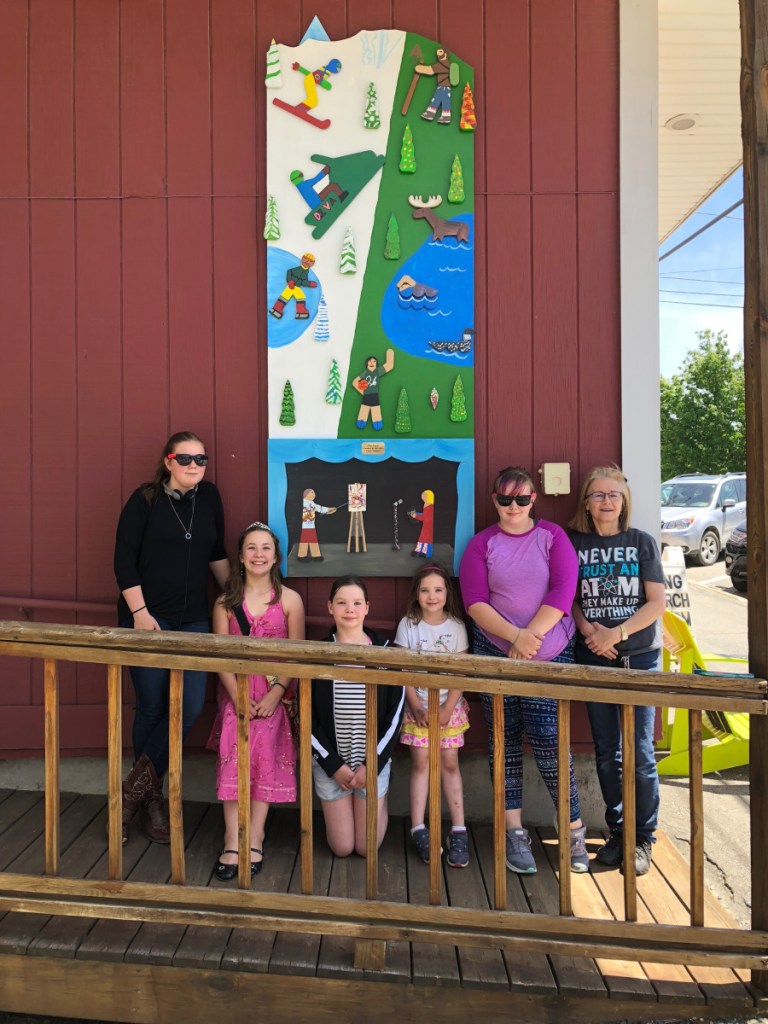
(187,531)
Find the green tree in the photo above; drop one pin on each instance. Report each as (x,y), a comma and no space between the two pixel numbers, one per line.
(288,410)
(407,153)
(392,241)
(702,411)
(403,414)
(458,404)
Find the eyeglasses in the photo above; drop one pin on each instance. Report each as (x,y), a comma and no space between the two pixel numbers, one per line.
(613,496)
(186,460)
(505,500)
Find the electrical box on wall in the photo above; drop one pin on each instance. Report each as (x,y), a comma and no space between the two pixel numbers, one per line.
(555,478)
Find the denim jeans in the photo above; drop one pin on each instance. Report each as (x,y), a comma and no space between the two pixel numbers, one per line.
(605,721)
(152,688)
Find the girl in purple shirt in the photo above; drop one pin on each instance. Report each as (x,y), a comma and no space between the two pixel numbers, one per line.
(518,581)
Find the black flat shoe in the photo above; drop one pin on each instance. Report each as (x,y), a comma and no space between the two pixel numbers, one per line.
(226,872)
(256,865)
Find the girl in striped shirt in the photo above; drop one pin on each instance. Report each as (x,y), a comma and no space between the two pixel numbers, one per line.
(338,730)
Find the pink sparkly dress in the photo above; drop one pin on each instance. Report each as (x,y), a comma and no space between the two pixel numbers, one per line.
(273,755)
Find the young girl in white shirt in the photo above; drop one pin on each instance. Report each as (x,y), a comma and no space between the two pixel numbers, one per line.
(433,623)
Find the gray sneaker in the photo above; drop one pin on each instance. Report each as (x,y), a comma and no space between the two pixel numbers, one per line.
(519,856)
(420,839)
(643,854)
(579,855)
(458,850)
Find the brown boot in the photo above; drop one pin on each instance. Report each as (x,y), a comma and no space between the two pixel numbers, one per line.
(135,788)
(153,812)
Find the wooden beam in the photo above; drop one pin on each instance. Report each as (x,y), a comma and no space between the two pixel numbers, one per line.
(52,788)
(115,770)
(754,129)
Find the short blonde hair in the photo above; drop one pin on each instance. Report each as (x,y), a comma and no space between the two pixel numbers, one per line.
(582,519)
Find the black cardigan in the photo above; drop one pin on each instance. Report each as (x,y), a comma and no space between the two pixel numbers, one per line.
(389,706)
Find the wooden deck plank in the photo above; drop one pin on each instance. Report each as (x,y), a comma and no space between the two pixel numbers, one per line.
(337,953)
(530,972)
(250,950)
(18,930)
(480,968)
(22,820)
(574,975)
(393,886)
(625,979)
(433,964)
(718,984)
(294,953)
(201,946)
(672,982)
(157,943)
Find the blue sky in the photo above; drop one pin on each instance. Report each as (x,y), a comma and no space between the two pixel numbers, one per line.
(702,285)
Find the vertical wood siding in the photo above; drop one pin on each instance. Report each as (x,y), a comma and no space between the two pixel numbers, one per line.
(131,262)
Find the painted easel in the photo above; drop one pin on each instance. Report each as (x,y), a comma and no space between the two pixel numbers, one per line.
(357,525)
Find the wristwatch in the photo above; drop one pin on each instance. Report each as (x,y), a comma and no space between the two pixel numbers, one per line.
(623,631)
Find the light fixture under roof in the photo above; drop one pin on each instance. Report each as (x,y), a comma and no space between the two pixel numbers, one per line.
(682,122)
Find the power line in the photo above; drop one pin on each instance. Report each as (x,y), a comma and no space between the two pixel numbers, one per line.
(720,305)
(690,238)
(683,291)
(701,280)
(709,270)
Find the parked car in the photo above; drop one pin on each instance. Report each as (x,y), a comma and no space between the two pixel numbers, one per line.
(736,557)
(699,511)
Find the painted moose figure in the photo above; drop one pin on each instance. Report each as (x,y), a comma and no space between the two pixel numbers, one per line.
(441,228)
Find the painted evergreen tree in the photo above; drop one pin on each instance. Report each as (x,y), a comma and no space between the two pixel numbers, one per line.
(467,121)
(288,411)
(458,405)
(456,187)
(371,118)
(274,79)
(403,414)
(333,394)
(322,322)
(407,153)
(271,220)
(392,244)
(348,262)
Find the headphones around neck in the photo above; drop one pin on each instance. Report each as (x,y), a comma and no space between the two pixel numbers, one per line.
(177,495)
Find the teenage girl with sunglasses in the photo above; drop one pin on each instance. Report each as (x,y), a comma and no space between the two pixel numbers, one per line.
(169,537)
(518,581)
(433,624)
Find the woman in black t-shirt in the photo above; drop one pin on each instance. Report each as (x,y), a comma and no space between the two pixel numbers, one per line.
(619,600)
(169,536)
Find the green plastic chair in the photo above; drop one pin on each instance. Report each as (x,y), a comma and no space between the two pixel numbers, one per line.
(725,733)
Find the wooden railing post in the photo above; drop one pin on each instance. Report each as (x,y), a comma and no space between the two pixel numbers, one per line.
(435,797)
(115,770)
(564,803)
(243,783)
(175,806)
(52,783)
(499,807)
(305,784)
(697,817)
(629,809)
(371,954)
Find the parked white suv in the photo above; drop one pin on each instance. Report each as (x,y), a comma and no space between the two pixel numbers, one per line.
(699,512)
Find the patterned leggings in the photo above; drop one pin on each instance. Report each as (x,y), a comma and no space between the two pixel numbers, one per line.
(534,717)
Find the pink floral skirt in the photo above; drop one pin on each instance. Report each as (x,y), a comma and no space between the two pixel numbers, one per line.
(452,735)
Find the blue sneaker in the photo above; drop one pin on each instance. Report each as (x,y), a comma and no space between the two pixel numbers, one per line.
(420,839)
(519,856)
(360,424)
(458,849)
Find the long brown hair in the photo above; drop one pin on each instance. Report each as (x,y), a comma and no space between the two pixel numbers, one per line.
(234,589)
(153,488)
(582,518)
(452,603)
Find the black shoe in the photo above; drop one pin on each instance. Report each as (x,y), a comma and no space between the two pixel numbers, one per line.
(612,853)
(226,872)
(256,865)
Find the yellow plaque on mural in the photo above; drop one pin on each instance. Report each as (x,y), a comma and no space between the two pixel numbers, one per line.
(372,448)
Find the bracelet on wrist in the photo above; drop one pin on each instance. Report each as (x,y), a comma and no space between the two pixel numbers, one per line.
(519,631)
(274,681)
(138,610)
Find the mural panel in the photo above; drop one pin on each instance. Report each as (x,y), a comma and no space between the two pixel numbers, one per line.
(370,297)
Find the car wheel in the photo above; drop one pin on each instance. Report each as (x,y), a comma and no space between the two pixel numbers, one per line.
(739,584)
(709,549)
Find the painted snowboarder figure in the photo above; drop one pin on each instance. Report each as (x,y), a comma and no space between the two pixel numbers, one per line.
(297,278)
(314,196)
(313,80)
(308,546)
(424,545)
(368,386)
(416,288)
(441,98)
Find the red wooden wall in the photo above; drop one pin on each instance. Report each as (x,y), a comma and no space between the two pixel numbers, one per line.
(131,260)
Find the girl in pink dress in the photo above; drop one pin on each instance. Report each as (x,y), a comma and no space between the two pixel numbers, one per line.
(255,595)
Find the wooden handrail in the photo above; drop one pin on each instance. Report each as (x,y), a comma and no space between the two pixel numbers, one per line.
(373,667)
